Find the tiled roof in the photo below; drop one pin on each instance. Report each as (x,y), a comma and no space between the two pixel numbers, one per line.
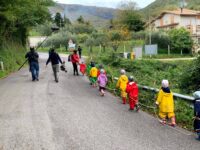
(183,12)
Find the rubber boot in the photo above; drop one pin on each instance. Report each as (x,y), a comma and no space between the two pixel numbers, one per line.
(137,108)
(173,122)
(124,100)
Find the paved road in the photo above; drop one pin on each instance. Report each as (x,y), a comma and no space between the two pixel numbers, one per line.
(70,115)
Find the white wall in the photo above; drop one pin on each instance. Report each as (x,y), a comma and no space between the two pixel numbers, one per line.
(190,20)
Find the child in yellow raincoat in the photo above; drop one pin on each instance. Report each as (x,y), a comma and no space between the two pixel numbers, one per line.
(165,102)
(121,84)
(93,75)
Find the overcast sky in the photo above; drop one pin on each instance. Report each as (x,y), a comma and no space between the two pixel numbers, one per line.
(104,3)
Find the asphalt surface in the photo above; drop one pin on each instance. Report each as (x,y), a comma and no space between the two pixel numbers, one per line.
(70,115)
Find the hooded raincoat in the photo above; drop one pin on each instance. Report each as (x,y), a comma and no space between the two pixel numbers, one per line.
(121,84)
(166,103)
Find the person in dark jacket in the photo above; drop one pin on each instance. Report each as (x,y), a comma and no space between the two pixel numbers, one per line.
(54,58)
(79,51)
(197,113)
(75,61)
(32,57)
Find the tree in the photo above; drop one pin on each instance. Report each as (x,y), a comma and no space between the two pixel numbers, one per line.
(160,37)
(101,39)
(80,20)
(59,20)
(17,17)
(66,21)
(90,42)
(129,16)
(115,38)
(83,28)
(180,39)
(190,81)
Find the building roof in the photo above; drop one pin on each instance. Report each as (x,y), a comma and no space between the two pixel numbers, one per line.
(182,11)
(179,11)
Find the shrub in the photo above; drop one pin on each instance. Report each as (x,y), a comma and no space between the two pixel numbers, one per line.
(181,40)
(160,38)
(44,29)
(59,39)
(83,28)
(190,81)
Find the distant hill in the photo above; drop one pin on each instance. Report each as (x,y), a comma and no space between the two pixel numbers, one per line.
(159,5)
(98,16)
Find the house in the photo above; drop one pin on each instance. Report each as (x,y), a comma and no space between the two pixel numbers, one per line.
(189,19)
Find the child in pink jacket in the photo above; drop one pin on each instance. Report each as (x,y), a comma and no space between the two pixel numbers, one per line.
(102,80)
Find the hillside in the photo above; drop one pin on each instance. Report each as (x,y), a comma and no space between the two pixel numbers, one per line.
(159,5)
(98,16)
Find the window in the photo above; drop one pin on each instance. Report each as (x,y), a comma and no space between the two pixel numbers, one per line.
(198,28)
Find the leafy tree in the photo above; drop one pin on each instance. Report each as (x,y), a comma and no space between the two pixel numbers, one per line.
(82,37)
(190,81)
(44,29)
(80,20)
(66,21)
(101,39)
(83,28)
(59,20)
(17,17)
(180,39)
(129,16)
(160,38)
(90,42)
(115,38)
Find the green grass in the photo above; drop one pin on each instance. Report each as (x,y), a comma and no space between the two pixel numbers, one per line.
(12,56)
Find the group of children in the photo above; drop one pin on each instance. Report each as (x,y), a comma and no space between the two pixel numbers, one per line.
(129,88)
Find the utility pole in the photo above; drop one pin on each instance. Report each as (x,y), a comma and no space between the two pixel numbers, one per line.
(149,30)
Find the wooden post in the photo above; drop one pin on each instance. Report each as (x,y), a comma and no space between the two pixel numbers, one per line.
(168,49)
(2,66)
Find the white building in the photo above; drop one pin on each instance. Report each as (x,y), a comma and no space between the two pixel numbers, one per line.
(189,19)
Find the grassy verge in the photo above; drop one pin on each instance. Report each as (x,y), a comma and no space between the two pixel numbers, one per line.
(150,73)
(12,56)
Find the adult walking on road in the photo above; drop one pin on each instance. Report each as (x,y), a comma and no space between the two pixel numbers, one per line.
(75,61)
(33,57)
(55,59)
(79,51)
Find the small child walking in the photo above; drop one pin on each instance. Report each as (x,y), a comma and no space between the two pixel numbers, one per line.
(197,113)
(102,80)
(132,91)
(93,75)
(165,102)
(83,68)
(121,84)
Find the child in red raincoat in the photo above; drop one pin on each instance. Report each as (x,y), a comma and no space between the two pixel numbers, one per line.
(132,91)
(83,68)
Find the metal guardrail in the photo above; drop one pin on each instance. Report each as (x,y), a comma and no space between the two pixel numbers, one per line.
(185,97)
